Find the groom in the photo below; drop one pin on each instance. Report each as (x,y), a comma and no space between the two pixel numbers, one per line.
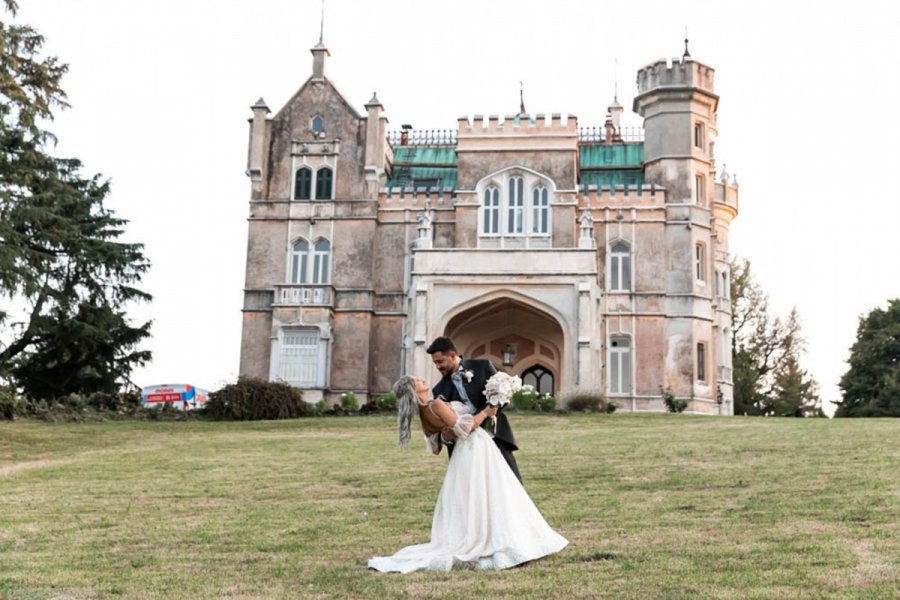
(464,380)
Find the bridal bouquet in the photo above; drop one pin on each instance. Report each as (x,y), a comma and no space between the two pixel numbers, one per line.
(499,389)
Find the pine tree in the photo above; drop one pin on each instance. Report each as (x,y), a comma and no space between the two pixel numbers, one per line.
(60,253)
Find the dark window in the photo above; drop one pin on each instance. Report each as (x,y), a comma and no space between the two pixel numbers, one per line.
(539,378)
(302,184)
(323,184)
(318,124)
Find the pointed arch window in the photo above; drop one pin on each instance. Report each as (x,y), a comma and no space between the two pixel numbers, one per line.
(540,379)
(299,252)
(620,365)
(620,267)
(323,184)
(302,184)
(515,222)
(490,221)
(321,258)
(540,210)
(318,125)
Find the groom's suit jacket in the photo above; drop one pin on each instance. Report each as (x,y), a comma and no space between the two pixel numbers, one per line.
(481,372)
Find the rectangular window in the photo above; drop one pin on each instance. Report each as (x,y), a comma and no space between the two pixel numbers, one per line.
(700,262)
(701,362)
(620,366)
(491,212)
(698,135)
(699,192)
(300,358)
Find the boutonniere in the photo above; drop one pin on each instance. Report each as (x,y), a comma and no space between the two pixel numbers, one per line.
(468,375)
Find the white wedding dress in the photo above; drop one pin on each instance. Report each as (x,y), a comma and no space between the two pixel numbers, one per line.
(483,519)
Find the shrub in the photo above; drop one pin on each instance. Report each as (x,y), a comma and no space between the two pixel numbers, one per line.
(253,399)
(611,407)
(547,403)
(524,399)
(585,401)
(387,403)
(349,402)
(673,404)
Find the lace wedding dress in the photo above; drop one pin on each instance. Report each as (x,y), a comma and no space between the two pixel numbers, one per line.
(483,519)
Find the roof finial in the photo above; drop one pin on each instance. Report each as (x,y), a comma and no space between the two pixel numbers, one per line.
(322,23)
(686,53)
(616,80)
(521,99)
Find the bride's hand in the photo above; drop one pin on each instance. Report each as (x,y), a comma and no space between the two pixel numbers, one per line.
(490,411)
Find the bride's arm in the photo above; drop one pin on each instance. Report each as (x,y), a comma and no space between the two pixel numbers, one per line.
(455,425)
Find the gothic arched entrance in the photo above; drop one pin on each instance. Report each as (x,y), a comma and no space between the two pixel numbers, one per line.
(505,328)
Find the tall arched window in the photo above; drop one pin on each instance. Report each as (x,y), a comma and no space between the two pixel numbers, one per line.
(323,184)
(302,184)
(620,365)
(516,215)
(299,252)
(320,261)
(490,223)
(540,211)
(620,267)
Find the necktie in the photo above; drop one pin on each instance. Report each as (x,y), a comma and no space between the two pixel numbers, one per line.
(456,378)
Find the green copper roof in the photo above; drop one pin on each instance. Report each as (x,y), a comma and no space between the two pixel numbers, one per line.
(616,156)
(423,166)
(612,177)
(425,155)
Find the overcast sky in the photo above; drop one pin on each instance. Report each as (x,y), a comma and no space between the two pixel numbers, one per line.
(808,120)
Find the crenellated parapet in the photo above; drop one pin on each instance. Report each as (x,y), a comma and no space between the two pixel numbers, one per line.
(523,124)
(592,196)
(675,73)
(726,200)
(415,197)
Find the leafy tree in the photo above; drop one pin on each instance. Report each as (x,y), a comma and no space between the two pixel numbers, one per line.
(60,253)
(871,386)
(766,353)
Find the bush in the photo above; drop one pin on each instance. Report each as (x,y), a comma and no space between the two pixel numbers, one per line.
(673,404)
(524,399)
(547,403)
(349,402)
(387,403)
(253,399)
(584,401)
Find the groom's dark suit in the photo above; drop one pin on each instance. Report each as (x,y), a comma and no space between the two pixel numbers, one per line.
(481,372)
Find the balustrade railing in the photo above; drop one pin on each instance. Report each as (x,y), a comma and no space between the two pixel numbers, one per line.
(422,137)
(302,295)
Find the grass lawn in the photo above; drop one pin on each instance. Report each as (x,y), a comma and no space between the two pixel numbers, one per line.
(655,506)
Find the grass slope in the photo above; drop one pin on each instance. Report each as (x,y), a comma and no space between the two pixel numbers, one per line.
(655,506)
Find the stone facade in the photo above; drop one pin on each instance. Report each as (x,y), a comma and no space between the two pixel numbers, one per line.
(590,259)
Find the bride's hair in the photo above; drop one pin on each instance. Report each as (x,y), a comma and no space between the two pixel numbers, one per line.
(407,404)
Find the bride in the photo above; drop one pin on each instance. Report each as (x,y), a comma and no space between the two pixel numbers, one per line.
(483,519)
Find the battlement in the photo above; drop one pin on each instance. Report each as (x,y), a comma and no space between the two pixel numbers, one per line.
(594,196)
(523,124)
(418,197)
(675,73)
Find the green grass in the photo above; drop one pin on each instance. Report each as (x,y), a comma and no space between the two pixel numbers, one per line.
(655,506)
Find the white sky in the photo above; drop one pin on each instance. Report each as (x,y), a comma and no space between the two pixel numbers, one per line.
(808,120)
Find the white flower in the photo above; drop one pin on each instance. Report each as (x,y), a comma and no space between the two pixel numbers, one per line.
(468,375)
(500,388)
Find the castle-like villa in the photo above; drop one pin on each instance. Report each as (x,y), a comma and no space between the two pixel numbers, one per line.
(591,259)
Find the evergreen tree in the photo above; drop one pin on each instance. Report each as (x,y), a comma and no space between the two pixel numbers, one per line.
(871,386)
(60,253)
(766,353)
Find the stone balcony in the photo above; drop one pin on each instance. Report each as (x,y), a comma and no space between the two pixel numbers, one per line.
(316,294)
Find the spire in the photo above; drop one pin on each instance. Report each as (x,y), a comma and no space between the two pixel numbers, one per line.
(322,25)
(521,99)
(319,52)
(686,54)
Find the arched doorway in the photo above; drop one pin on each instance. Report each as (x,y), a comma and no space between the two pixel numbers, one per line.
(535,338)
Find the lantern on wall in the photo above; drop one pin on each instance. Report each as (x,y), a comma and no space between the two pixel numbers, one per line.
(509,355)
